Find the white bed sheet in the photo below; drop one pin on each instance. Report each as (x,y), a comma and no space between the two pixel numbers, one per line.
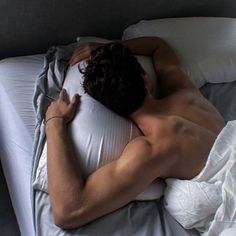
(17,81)
(16,132)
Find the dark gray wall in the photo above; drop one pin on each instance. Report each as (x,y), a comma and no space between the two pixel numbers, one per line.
(31,26)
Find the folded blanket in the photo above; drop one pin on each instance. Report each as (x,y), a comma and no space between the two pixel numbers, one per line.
(208,201)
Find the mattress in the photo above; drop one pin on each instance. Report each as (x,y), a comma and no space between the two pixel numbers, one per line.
(17,77)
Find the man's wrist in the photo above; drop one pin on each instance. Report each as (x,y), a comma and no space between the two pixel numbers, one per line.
(55,123)
(51,118)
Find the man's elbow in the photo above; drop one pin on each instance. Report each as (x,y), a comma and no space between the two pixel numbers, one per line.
(67,219)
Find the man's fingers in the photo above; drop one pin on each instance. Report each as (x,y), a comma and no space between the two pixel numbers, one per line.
(79,51)
(75,99)
(64,96)
(74,55)
(78,57)
(83,51)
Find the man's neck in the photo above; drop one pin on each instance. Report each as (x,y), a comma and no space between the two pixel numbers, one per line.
(145,114)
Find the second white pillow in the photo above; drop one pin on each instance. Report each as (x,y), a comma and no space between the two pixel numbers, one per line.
(205,45)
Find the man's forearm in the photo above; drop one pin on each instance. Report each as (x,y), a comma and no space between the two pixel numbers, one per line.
(167,65)
(64,177)
(163,55)
(143,46)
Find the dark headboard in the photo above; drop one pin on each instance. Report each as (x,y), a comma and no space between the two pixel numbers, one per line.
(31,26)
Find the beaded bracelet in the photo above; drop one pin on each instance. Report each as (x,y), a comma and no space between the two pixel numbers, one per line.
(53,117)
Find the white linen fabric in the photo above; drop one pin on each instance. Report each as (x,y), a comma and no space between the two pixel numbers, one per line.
(208,201)
(98,134)
(17,121)
(205,45)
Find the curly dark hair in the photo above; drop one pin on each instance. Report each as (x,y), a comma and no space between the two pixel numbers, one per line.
(113,76)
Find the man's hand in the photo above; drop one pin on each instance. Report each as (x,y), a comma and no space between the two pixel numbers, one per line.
(62,108)
(83,52)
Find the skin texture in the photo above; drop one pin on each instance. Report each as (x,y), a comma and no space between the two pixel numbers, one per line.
(179,130)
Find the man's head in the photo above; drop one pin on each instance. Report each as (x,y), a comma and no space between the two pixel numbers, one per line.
(114,77)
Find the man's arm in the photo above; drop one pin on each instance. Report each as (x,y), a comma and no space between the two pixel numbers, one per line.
(171,76)
(75,201)
(168,68)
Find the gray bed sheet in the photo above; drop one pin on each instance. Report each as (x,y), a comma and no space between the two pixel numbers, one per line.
(138,218)
(223,97)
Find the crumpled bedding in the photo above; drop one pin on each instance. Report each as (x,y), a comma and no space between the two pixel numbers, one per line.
(136,218)
(208,201)
(97,139)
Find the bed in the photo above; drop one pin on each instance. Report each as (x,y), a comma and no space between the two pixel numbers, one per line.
(17,83)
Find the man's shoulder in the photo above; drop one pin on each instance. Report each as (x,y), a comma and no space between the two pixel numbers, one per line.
(141,142)
(151,146)
(139,146)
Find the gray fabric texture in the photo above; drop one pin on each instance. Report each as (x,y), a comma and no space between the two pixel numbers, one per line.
(138,218)
(32,26)
(223,97)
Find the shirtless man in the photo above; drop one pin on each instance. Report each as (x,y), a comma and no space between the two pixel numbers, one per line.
(179,129)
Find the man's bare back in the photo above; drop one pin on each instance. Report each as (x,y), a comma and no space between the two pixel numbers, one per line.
(181,130)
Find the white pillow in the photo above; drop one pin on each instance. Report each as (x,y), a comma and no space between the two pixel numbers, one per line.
(206,46)
(98,134)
